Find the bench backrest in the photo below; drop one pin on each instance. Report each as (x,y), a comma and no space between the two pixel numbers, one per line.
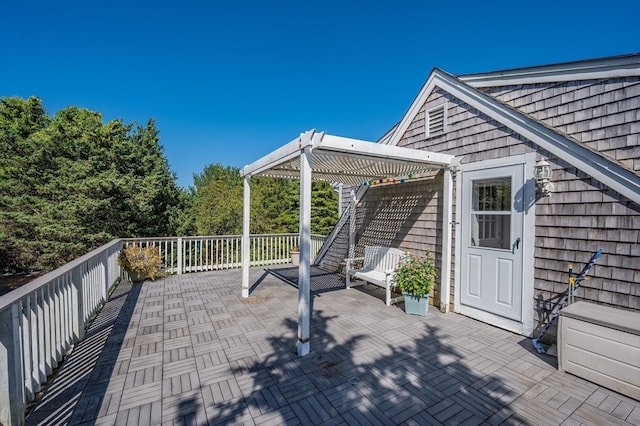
(382,258)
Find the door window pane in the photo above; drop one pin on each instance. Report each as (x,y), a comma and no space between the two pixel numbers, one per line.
(492,195)
(491,213)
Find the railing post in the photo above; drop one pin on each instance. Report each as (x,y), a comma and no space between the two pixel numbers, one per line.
(179,271)
(12,401)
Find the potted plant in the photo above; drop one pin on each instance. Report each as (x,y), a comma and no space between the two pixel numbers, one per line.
(141,263)
(416,277)
(295,255)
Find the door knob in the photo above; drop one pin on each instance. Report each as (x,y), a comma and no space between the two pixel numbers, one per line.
(518,243)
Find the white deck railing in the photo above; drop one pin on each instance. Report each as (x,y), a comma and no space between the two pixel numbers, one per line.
(40,321)
(197,254)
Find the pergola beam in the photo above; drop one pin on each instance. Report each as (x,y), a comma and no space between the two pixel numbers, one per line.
(386,153)
(281,155)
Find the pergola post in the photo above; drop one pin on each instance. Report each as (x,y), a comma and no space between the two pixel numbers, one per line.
(447,232)
(304,271)
(246,204)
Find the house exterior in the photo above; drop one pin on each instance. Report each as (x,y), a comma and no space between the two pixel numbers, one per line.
(510,247)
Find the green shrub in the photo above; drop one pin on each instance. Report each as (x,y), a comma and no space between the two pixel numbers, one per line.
(417,275)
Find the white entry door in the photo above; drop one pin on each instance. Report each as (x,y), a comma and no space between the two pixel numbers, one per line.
(492,233)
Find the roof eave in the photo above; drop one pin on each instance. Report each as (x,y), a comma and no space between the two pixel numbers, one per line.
(593,69)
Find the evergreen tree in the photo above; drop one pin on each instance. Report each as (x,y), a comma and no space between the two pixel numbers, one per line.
(275,204)
(217,201)
(70,183)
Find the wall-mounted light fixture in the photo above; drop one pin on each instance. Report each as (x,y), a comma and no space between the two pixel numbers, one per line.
(542,175)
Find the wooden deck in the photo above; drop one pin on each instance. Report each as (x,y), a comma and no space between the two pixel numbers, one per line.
(188,350)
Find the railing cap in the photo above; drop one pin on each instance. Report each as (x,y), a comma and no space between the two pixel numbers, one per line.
(14,295)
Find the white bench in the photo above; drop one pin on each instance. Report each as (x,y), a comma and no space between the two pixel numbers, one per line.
(378,267)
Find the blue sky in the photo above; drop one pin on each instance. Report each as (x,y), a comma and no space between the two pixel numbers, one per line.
(229,81)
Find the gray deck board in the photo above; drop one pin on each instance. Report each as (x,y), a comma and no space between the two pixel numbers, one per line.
(188,349)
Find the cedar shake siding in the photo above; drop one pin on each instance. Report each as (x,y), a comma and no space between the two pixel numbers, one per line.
(602,114)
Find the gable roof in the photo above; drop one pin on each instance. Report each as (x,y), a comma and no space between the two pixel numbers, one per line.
(609,172)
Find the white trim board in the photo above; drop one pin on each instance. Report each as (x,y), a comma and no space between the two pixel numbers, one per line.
(610,173)
(595,69)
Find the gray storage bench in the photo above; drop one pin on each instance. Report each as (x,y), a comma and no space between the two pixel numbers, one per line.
(601,344)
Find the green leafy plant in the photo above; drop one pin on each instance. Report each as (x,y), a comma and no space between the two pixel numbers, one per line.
(416,275)
(141,262)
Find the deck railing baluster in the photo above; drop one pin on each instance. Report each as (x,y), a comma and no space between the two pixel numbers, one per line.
(33,336)
(57,319)
(25,305)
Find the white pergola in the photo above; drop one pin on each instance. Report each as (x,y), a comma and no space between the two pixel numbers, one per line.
(352,162)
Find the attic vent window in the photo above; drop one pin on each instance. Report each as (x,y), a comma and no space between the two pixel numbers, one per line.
(436,120)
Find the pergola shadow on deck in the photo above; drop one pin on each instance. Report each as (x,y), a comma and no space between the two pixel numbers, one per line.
(188,349)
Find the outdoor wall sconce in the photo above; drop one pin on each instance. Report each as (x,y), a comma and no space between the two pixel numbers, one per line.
(542,175)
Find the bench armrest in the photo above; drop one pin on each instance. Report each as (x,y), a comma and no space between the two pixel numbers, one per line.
(389,271)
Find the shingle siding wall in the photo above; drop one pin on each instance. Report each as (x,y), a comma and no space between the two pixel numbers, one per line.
(403,215)
(602,114)
(580,217)
(469,133)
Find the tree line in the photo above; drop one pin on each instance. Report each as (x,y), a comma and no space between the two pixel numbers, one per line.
(71,182)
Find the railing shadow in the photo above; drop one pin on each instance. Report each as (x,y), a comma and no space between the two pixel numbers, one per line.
(77,390)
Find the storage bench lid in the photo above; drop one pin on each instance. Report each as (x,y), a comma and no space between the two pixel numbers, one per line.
(605,316)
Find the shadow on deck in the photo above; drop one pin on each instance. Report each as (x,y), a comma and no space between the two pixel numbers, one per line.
(188,350)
